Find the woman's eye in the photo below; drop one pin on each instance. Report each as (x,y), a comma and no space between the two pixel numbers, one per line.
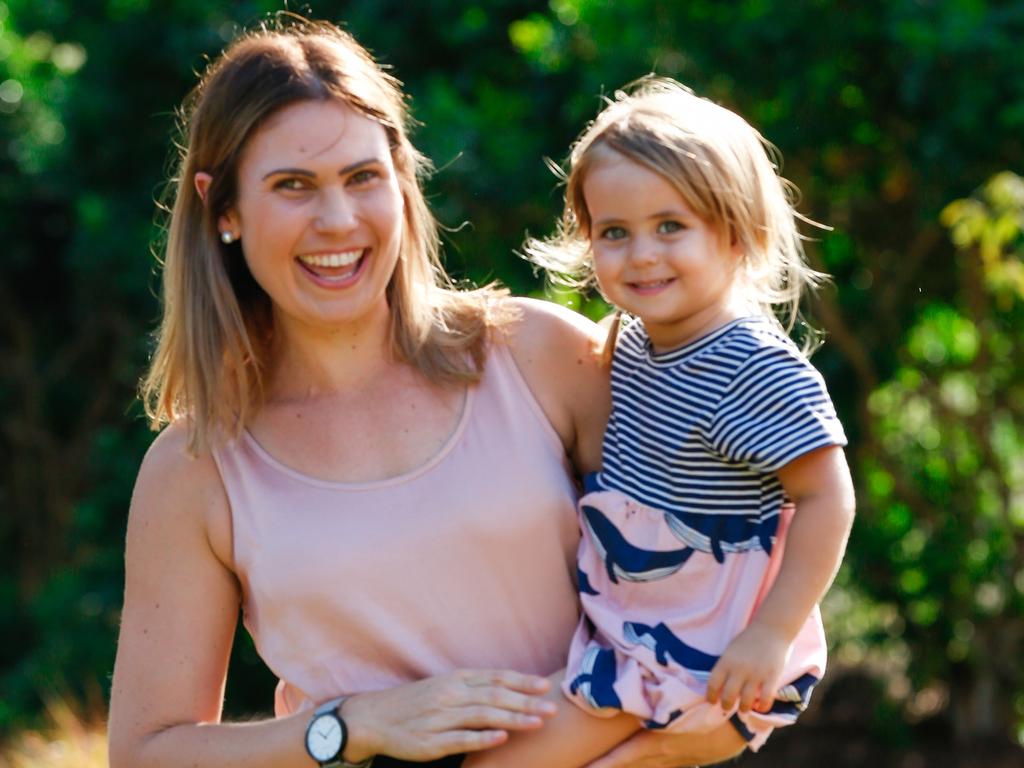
(291,185)
(668,227)
(613,233)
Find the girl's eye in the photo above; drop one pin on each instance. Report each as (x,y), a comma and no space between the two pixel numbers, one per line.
(613,233)
(668,227)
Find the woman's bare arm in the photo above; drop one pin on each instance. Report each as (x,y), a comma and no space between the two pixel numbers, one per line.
(180,610)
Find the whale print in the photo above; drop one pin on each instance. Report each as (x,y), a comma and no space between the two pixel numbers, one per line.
(583,582)
(625,561)
(792,699)
(596,680)
(665,645)
(719,534)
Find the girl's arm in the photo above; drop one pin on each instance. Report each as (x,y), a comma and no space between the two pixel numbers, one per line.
(820,486)
(180,610)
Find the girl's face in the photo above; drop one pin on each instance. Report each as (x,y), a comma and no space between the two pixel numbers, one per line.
(319,214)
(654,258)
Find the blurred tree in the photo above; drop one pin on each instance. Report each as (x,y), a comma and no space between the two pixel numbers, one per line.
(83,136)
(884,112)
(945,534)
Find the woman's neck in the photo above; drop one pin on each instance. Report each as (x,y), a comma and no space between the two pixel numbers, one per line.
(316,362)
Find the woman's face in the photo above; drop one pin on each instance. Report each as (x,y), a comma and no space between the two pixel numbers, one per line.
(320,214)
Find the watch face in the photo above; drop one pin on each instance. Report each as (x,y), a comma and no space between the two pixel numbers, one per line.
(323,739)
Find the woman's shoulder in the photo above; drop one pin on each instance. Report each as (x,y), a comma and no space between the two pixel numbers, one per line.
(168,459)
(544,325)
(177,489)
(559,353)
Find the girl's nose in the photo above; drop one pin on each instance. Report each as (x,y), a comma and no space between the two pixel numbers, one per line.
(336,212)
(643,252)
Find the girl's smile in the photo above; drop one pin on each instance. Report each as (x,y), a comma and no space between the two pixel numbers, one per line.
(650,287)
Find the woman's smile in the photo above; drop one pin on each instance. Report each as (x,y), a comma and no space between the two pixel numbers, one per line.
(336,269)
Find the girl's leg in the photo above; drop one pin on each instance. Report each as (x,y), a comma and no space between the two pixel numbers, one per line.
(570,739)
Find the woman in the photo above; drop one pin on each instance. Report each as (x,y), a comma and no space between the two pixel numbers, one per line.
(372,464)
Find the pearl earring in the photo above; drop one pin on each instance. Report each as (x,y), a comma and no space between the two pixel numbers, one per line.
(227,238)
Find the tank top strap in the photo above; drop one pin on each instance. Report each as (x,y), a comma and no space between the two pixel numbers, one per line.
(505,384)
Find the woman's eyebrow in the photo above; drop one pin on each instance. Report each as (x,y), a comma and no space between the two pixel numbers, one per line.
(310,174)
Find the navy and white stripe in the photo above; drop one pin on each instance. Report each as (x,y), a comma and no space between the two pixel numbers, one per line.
(704,428)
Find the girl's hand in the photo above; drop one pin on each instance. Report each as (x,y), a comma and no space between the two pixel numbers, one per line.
(465,711)
(748,672)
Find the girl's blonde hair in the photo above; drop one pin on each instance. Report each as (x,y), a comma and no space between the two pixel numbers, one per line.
(720,165)
(213,345)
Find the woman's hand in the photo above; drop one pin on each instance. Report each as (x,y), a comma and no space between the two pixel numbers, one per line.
(465,711)
(648,749)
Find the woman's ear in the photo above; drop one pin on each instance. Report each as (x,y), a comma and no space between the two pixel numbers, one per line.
(227,224)
(202,182)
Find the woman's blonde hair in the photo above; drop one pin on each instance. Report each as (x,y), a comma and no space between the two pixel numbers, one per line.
(720,165)
(213,344)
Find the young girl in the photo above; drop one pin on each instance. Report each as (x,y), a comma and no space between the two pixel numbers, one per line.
(720,431)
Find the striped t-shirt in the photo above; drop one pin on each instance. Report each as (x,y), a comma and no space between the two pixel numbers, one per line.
(703,429)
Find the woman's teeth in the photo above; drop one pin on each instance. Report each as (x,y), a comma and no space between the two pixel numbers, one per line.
(339,259)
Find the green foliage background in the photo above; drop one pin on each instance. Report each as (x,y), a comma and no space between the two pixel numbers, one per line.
(886,114)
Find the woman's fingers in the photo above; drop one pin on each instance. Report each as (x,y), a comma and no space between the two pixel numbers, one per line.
(455,742)
(464,711)
(500,698)
(504,678)
(490,717)
(508,690)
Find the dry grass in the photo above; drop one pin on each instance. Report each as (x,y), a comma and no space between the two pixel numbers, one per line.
(70,741)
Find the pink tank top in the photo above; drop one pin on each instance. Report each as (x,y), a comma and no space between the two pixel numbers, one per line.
(467,561)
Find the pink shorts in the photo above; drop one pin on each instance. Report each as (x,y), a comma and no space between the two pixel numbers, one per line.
(662,598)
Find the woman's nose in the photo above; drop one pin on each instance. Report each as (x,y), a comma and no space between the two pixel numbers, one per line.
(336,213)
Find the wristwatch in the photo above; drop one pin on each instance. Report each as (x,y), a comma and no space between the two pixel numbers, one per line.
(326,737)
